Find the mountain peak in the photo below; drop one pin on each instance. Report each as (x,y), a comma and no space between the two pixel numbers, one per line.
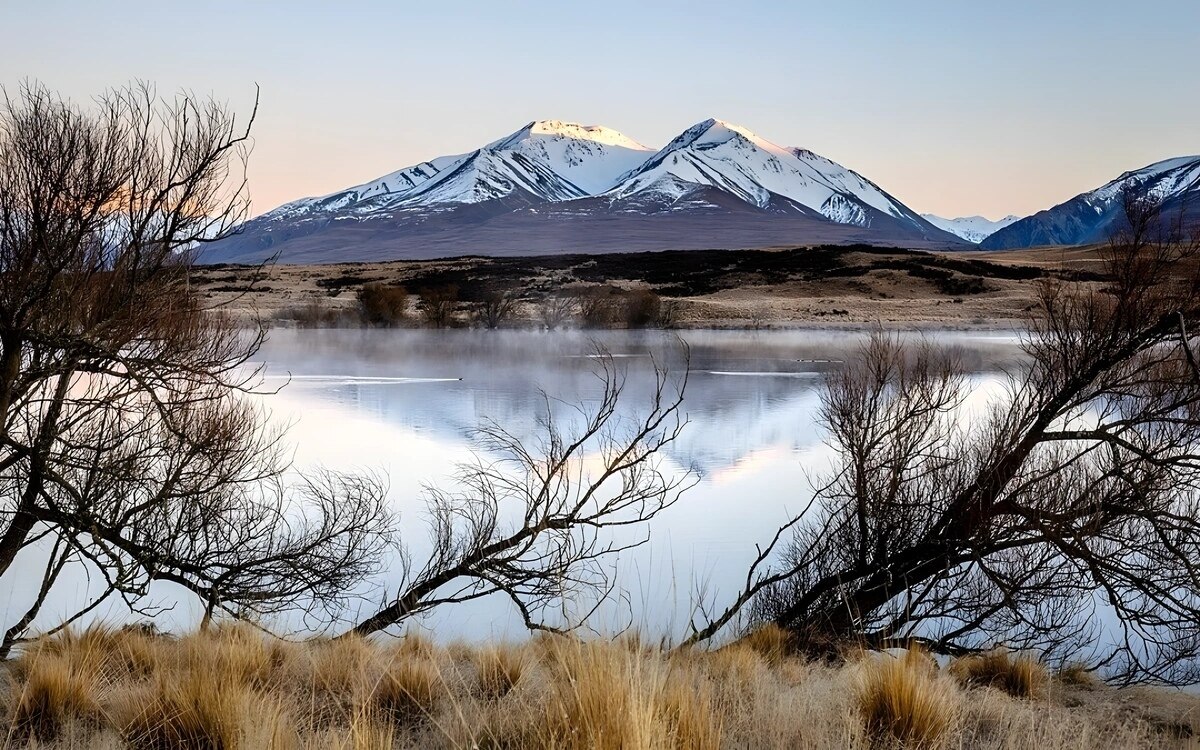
(575,131)
(715,131)
(714,165)
(716,123)
(1170,175)
(560,186)
(971,228)
(717,154)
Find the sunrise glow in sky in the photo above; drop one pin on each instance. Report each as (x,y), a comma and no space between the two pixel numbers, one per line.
(955,108)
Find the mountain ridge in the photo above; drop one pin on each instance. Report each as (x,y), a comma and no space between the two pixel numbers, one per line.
(1092,216)
(573,187)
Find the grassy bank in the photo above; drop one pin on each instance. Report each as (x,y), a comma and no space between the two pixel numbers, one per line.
(238,689)
(683,289)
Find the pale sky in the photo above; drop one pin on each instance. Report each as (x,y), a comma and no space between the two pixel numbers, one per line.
(956,108)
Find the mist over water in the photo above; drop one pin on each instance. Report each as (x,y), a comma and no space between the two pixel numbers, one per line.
(404,404)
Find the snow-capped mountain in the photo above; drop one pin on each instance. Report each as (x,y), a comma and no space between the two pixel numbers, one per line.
(1092,216)
(555,186)
(548,160)
(970,228)
(730,158)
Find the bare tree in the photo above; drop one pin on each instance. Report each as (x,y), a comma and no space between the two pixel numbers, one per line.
(531,524)
(597,307)
(1146,223)
(437,305)
(1066,518)
(127,441)
(494,308)
(556,310)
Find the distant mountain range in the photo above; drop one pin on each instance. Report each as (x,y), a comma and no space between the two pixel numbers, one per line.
(1092,216)
(555,187)
(971,228)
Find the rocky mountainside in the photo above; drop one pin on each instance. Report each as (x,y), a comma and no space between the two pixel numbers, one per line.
(1093,216)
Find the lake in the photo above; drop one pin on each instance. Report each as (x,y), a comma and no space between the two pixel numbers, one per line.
(406,402)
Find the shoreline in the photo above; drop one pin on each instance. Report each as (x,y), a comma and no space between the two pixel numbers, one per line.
(833,288)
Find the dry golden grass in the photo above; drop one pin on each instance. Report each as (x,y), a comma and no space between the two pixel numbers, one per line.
(499,669)
(1018,675)
(598,700)
(609,697)
(903,701)
(408,692)
(235,688)
(340,667)
(193,710)
(1076,675)
(55,692)
(770,641)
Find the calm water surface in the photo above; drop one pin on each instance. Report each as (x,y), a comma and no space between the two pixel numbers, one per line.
(404,403)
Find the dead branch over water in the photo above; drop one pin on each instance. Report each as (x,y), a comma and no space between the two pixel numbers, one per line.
(126,443)
(1074,501)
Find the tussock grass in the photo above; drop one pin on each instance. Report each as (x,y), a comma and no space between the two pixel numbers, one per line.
(369,732)
(408,692)
(769,641)
(55,692)
(1018,675)
(416,645)
(1076,675)
(688,706)
(341,666)
(193,711)
(603,698)
(235,688)
(499,669)
(903,700)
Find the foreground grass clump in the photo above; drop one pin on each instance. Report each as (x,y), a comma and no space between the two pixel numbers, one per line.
(770,641)
(235,688)
(902,700)
(609,697)
(55,692)
(408,692)
(1076,675)
(500,669)
(193,710)
(1018,675)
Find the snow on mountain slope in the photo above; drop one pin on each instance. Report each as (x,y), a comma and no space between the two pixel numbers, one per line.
(970,228)
(391,185)
(549,159)
(589,156)
(731,158)
(554,186)
(1092,216)
(1161,180)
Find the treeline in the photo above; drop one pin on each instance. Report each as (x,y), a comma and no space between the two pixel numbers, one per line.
(384,305)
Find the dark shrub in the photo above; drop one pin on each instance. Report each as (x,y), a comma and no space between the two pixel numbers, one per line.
(382,305)
(641,308)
